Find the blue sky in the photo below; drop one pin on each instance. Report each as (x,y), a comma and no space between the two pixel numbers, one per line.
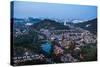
(24,9)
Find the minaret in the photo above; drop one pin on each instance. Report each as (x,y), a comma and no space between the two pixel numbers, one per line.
(65,23)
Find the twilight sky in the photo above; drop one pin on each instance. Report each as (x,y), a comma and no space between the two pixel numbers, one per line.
(24,9)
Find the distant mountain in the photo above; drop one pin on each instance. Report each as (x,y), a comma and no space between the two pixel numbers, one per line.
(49,24)
(33,20)
(90,25)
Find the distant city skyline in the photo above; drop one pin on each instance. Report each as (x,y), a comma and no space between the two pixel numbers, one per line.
(24,9)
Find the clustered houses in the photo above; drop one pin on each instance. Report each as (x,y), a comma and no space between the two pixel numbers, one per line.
(19,32)
(77,36)
(68,59)
(28,57)
(58,50)
(66,37)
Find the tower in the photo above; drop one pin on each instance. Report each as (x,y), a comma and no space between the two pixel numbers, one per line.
(65,23)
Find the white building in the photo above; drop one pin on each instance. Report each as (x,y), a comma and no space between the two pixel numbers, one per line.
(65,23)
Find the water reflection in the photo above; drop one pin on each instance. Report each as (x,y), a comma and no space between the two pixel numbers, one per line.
(46,47)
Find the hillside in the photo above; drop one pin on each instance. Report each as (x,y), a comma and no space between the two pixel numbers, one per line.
(90,25)
(49,24)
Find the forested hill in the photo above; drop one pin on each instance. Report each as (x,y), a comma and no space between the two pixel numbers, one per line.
(90,25)
(49,24)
